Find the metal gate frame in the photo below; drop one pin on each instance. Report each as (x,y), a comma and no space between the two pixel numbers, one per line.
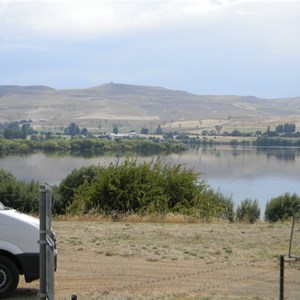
(47,245)
(296,209)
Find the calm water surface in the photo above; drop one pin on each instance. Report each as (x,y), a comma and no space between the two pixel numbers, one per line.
(238,172)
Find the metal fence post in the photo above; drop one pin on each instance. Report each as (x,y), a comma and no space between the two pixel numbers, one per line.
(281,292)
(47,245)
(43,292)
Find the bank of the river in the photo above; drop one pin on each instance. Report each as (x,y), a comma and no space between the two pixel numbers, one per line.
(240,172)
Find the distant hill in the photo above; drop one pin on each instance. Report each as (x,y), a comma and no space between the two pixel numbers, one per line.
(133,106)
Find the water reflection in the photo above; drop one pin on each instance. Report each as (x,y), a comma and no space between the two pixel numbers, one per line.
(286,154)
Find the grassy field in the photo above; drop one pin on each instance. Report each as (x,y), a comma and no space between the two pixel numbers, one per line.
(99,259)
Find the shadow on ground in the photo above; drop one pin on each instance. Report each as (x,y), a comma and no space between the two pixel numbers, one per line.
(25,293)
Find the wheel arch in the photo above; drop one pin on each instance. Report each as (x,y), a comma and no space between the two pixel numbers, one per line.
(13,258)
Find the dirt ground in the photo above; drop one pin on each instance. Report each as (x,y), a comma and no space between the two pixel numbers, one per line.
(134,260)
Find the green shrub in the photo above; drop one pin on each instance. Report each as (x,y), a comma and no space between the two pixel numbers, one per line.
(213,204)
(281,207)
(64,193)
(18,194)
(51,145)
(133,187)
(248,211)
(149,188)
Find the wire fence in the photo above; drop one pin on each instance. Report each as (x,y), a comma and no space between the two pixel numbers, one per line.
(262,281)
(270,276)
(292,279)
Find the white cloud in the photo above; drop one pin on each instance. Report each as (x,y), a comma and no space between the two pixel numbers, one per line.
(225,45)
(93,19)
(97,18)
(22,47)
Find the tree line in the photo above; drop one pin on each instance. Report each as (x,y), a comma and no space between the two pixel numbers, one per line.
(75,144)
(15,138)
(22,129)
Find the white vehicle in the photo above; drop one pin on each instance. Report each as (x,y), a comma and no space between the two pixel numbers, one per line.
(19,249)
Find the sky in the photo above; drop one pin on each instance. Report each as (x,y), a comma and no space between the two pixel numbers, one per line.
(216,47)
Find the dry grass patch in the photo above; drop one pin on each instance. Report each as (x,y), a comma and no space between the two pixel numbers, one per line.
(145,260)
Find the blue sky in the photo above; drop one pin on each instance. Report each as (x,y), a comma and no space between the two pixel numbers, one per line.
(232,47)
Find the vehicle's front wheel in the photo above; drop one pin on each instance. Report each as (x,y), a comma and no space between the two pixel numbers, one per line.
(9,276)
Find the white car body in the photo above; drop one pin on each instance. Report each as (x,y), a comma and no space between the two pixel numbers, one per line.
(19,248)
(19,233)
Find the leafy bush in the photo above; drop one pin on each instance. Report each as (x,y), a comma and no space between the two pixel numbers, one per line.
(248,211)
(64,193)
(18,194)
(281,207)
(213,204)
(51,145)
(148,188)
(143,187)
(123,188)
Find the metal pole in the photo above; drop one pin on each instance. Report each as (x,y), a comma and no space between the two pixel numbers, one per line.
(281,292)
(292,230)
(49,248)
(43,292)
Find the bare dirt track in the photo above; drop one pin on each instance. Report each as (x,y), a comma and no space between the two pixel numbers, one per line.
(129,260)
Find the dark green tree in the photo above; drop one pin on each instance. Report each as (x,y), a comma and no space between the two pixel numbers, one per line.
(48,135)
(159,130)
(8,133)
(84,131)
(218,128)
(72,129)
(144,130)
(236,132)
(14,134)
(13,126)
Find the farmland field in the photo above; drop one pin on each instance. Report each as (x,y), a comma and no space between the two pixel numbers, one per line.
(132,259)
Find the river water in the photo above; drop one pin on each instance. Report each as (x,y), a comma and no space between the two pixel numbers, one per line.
(237,172)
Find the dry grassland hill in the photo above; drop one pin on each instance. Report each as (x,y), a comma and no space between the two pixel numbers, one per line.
(132,105)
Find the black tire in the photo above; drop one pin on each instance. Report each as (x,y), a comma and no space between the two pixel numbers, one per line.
(9,276)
